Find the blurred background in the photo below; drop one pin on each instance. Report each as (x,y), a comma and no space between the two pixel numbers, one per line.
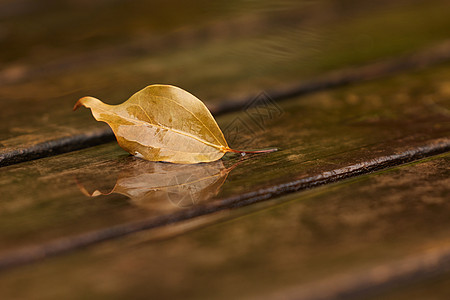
(213,48)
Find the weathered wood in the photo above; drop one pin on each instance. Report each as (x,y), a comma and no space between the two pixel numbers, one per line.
(335,241)
(322,138)
(237,55)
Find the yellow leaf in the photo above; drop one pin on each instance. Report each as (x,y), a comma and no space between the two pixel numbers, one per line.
(163,123)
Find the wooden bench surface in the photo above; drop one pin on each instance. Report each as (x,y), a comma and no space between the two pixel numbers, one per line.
(342,90)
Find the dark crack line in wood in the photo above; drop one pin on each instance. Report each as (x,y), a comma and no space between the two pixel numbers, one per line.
(422,59)
(35,253)
(55,147)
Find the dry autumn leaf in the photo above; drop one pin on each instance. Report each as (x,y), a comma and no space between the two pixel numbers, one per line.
(164,123)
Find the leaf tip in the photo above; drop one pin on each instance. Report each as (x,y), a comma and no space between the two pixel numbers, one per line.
(78,104)
(86,101)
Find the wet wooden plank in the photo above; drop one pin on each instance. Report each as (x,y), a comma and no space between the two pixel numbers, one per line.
(336,241)
(214,59)
(322,138)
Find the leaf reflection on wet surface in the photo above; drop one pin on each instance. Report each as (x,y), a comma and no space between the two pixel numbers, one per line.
(158,185)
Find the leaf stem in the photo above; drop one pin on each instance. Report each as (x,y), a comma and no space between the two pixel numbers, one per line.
(253,151)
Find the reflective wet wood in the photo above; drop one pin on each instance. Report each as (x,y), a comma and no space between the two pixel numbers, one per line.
(218,52)
(322,138)
(304,245)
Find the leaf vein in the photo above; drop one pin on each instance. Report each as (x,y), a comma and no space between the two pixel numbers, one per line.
(142,123)
(204,125)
